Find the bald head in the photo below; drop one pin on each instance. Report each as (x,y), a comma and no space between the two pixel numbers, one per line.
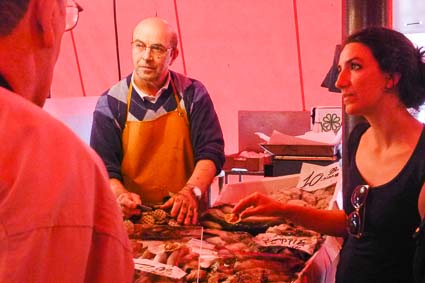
(151,66)
(156,27)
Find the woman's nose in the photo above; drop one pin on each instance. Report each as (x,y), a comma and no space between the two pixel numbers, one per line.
(342,79)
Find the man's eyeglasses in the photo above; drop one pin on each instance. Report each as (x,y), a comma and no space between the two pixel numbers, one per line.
(72,12)
(155,49)
(356,219)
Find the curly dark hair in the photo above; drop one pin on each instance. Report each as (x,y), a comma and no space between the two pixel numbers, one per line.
(11,13)
(395,53)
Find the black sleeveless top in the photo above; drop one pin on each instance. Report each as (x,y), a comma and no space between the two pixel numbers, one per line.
(385,252)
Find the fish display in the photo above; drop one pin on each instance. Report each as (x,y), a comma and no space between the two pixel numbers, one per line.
(224,248)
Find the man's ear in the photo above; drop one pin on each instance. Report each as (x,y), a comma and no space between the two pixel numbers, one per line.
(174,54)
(45,12)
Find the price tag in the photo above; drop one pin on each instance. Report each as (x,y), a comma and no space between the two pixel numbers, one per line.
(314,177)
(158,268)
(306,244)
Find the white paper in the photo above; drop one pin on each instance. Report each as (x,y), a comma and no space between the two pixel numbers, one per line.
(325,137)
(314,177)
(283,139)
(302,243)
(158,268)
(309,138)
(262,136)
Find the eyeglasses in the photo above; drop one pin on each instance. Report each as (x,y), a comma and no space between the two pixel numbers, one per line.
(72,12)
(155,49)
(356,219)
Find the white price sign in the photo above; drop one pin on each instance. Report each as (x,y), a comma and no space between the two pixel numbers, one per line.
(314,177)
(306,244)
(158,268)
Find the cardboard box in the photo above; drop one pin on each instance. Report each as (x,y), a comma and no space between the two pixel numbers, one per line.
(252,164)
(310,144)
(321,267)
(250,122)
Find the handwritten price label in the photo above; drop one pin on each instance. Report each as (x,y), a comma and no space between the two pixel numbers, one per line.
(314,177)
(306,244)
(158,268)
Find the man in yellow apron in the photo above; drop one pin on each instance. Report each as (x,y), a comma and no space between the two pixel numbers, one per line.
(157,130)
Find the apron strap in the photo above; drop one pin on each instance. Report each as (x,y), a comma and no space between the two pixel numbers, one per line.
(179,108)
(129,93)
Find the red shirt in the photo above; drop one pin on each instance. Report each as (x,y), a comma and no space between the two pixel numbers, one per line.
(59,220)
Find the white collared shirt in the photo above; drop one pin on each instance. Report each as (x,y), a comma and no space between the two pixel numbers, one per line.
(148,97)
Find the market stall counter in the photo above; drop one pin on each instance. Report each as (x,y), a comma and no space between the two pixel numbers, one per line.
(222,249)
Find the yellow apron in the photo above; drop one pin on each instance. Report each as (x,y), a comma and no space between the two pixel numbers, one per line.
(157,155)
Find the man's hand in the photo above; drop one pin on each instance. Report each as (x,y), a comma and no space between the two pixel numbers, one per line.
(184,205)
(128,203)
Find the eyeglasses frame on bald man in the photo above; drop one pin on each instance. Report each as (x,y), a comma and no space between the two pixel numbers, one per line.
(157,50)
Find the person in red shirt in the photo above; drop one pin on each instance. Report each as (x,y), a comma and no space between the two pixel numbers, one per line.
(59,220)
